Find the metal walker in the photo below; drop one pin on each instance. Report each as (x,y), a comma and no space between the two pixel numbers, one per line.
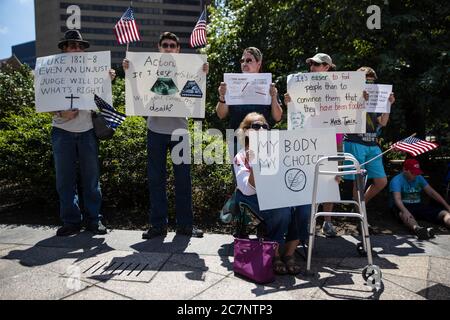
(371,273)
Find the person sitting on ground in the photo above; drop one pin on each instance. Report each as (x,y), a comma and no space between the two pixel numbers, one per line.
(278,222)
(406,189)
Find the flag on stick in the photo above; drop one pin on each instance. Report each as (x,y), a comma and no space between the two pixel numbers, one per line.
(198,36)
(414,146)
(126,29)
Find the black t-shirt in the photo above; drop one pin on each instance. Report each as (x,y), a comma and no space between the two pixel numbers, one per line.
(239,112)
(370,137)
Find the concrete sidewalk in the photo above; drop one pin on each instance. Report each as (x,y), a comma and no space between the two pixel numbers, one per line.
(35,264)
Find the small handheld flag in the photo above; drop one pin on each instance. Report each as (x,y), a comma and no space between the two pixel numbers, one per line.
(113,118)
(198,36)
(126,29)
(414,146)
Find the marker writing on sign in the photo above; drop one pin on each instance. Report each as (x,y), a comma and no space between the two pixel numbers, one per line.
(245,87)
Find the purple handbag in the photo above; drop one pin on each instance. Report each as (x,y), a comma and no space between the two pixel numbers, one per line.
(253,259)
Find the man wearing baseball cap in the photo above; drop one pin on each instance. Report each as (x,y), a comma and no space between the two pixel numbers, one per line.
(406,189)
(321,59)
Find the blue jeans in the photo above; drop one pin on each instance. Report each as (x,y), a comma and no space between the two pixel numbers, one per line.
(72,151)
(277,221)
(157,146)
(301,216)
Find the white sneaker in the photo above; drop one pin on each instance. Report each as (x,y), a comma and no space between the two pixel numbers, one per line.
(328,229)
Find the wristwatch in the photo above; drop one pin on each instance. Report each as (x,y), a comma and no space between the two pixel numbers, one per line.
(221,100)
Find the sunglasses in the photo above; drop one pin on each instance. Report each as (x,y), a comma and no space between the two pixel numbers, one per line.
(167,45)
(258,126)
(316,64)
(246,60)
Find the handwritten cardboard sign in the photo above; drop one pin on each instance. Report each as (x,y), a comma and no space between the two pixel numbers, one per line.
(284,166)
(70,81)
(165,85)
(327,100)
(378,98)
(248,88)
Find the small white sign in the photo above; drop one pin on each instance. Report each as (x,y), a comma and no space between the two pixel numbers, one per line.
(378,98)
(248,88)
(70,80)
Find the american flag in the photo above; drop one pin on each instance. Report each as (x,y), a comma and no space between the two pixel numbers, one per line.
(198,36)
(414,146)
(126,29)
(111,115)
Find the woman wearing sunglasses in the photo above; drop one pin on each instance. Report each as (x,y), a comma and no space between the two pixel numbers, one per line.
(251,62)
(278,222)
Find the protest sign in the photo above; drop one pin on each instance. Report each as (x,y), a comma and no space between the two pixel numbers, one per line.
(165,85)
(70,80)
(284,166)
(248,88)
(378,98)
(327,100)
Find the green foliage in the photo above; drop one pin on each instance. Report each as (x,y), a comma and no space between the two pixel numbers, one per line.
(411,50)
(25,153)
(27,161)
(16,90)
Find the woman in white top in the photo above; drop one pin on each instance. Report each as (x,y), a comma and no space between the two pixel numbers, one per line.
(279,223)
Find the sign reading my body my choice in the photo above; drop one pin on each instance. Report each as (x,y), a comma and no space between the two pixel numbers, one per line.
(165,85)
(70,81)
(284,166)
(327,100)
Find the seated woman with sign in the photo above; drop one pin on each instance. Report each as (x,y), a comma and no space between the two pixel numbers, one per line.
(278,222)
(251,62)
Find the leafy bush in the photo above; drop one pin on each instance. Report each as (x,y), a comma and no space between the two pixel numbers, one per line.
(27,161)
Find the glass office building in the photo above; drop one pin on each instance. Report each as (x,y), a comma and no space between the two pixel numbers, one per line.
(99,17)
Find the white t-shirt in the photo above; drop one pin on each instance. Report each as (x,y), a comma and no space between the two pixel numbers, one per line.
(82,123)
(242,170)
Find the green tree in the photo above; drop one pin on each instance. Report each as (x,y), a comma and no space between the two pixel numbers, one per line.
(411,50)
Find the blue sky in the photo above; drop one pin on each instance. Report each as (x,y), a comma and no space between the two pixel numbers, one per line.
(16,24)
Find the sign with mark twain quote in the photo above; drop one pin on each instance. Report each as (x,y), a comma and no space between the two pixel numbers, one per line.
(69,81)
(165,85)
(284,166)
(327,100)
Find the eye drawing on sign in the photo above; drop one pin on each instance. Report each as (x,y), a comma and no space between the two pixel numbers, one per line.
(295,180)
(164,87)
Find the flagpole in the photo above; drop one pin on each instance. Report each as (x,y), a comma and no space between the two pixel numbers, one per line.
(380,155)
(128,44)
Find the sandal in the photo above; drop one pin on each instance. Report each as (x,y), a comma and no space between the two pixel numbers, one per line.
(291,265)
(278,266)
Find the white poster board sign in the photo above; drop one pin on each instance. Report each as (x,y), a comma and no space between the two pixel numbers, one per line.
(378,98)
(327,100)
(165,85)
(70,81)
(248,88)
(284,166)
